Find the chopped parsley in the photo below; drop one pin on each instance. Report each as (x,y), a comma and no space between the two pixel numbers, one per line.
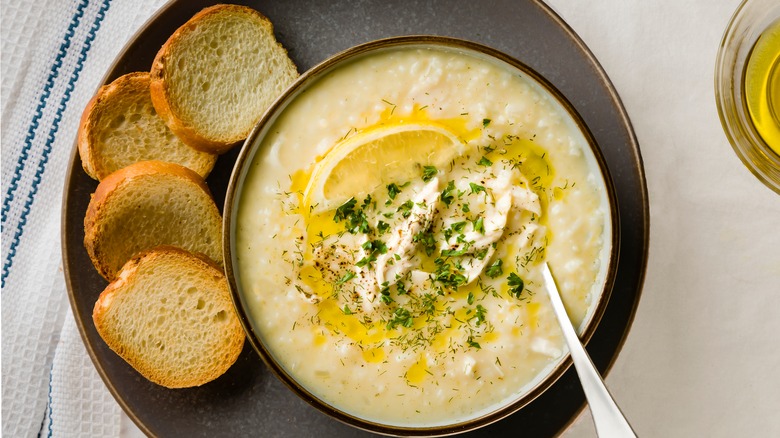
(495,269)
(401,288)
(348,276)
(447,275)
(479,225)
(400,317)
(384,294)
(485,123)
(392,191)
(480,315)
(458,226)
(373,248)
(406,208)
(429,304)
(367,203)
(455,252)
(429,172)
(427,240)
(516,285)
(345,210)
(355,219)
(365,261)
(447,194)
(484,162)
(476,188)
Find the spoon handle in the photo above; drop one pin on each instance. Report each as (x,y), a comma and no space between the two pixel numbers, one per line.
(609,421)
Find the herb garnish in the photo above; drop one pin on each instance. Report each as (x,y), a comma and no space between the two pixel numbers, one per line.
(428,173)
(479,225)
(428,241)
(495,269)
(373,248)
(384,294)
(382,227)
(480,314)
(356,221)
(484,162)
(447,276)
(476,188)
(392,191)
(406,208)
(516,285)
(400,317)
(345,210)
(348,276)
(447,194)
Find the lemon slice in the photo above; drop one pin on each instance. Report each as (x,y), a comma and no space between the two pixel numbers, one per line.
(360,164)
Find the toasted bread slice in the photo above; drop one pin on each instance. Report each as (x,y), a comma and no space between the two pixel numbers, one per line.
(148,204)
(216,75)
(170,316)
(120,127)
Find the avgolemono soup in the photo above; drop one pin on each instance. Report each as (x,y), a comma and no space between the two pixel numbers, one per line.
(391,227)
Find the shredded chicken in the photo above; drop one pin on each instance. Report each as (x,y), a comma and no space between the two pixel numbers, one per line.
(401,246)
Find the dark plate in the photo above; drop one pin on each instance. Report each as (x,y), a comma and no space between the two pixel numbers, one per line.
(248,399)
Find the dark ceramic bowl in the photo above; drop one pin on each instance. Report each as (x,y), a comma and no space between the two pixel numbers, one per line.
(253,146)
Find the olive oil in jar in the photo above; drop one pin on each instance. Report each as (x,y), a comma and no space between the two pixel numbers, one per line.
(762,86)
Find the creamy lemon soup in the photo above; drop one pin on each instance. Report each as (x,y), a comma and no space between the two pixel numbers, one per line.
(391,227)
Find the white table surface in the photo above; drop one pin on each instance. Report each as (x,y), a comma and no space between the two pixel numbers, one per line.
(702,358)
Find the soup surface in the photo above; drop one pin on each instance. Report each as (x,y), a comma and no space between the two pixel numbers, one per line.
(391,226)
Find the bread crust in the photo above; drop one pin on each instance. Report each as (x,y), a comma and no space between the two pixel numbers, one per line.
(161,93)
(85,134)
(127,275)
(85,137)
(82,136)
(108,187)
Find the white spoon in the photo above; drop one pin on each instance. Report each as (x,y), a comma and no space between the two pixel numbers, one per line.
(609,421)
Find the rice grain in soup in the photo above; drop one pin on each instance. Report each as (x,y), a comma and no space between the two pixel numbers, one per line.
(391,227)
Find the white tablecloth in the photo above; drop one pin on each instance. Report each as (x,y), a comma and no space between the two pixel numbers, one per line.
(702,357)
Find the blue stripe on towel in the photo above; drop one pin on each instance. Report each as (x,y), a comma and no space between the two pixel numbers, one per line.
(32,129)
(52,136)
(48,410)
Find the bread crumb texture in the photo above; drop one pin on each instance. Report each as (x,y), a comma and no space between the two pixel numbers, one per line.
(170,316)
(159,207)
(225,70)
(122,127)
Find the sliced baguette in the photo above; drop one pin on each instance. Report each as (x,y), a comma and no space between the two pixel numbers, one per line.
(120,127)
(170,316)
(216,75)
(148,204)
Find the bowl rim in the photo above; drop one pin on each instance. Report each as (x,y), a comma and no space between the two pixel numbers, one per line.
(248,151)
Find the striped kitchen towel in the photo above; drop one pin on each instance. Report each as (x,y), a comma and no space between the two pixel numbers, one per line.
(54,54)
